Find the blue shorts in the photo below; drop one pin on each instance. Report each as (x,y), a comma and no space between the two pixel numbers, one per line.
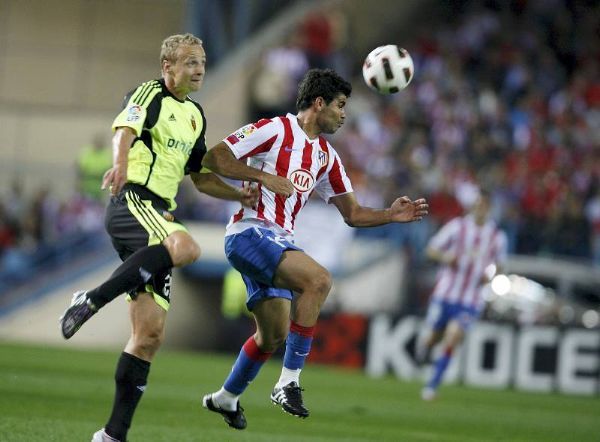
(440,313)
(256,253)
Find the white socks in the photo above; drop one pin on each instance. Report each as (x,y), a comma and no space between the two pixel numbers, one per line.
(228,401)
(288,376)
(225,400)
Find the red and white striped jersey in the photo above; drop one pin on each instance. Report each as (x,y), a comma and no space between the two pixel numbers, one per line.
(279,146)
(476,247)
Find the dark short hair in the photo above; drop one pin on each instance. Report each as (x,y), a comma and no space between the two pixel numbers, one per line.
(325,83)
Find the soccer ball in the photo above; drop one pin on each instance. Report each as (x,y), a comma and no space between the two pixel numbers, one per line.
(388,69)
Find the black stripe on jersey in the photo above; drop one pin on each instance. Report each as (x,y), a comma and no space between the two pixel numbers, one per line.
(194,162)
(140,91)
(143,97)
(153,111)
(151,166)
(201,137)
(148,216)
(143,90)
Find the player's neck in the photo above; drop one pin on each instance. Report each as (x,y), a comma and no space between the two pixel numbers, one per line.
(308,123)
(178,93)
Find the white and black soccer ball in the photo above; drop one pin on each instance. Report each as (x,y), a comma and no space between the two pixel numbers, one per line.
(388,69)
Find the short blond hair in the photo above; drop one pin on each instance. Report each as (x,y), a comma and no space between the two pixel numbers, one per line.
(168,50)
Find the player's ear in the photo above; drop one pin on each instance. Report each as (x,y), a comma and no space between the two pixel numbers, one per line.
(319,103)
(166,67)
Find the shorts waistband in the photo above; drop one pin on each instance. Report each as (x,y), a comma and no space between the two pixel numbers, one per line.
(145,193)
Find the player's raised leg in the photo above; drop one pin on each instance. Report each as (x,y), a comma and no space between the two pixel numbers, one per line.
(177,249)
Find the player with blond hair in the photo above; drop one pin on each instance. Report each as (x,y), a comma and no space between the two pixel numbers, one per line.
(158,139)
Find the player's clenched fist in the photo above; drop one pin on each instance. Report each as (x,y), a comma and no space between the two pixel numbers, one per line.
(249,195)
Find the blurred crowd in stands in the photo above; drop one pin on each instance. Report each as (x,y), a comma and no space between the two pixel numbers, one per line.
(506,96)
(39,229)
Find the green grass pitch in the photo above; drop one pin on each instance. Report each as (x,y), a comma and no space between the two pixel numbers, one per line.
(50,394)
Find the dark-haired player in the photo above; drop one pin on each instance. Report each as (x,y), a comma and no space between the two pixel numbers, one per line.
(289,159)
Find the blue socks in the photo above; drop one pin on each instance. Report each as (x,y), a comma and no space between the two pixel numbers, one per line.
(440,367)
(246,367)
(297,346)
(251,359)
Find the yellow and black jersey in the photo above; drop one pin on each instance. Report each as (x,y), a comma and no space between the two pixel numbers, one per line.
(170,140)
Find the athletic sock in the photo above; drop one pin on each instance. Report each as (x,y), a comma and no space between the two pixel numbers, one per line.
(439,368)
(130,379)
(288,376)
(297,348)
(244,370)
(135,270)
(225,400)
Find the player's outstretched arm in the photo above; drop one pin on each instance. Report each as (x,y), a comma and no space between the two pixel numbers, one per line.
(212,185)
(403,210)
(222,161)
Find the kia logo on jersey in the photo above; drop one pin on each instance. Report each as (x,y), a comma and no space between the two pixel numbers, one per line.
(302,180)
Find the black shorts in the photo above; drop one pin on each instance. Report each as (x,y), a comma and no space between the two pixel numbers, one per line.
(138,218)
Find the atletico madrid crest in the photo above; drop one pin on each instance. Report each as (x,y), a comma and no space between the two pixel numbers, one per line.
(323,158)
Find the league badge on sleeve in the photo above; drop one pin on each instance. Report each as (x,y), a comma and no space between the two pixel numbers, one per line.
(244,132)
(134,113)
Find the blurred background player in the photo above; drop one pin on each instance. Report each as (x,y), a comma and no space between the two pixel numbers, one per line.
(470,249)
(94,159)
(159,138)
(289,159)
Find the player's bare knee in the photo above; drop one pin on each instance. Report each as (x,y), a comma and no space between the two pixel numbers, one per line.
(193,252)
(321,284)
(182,248)
(271,341)
(149,342)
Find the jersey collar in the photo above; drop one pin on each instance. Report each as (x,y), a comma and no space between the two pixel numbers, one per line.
(167,92)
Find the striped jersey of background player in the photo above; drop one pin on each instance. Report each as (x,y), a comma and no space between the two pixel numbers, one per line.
(289,159)
(159,138)
(470,249)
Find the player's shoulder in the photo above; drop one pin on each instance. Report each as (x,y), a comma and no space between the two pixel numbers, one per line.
(148,86)
(327,150)
(196,105)
(144,93)
(262,122)
(264,125)
(324,144)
